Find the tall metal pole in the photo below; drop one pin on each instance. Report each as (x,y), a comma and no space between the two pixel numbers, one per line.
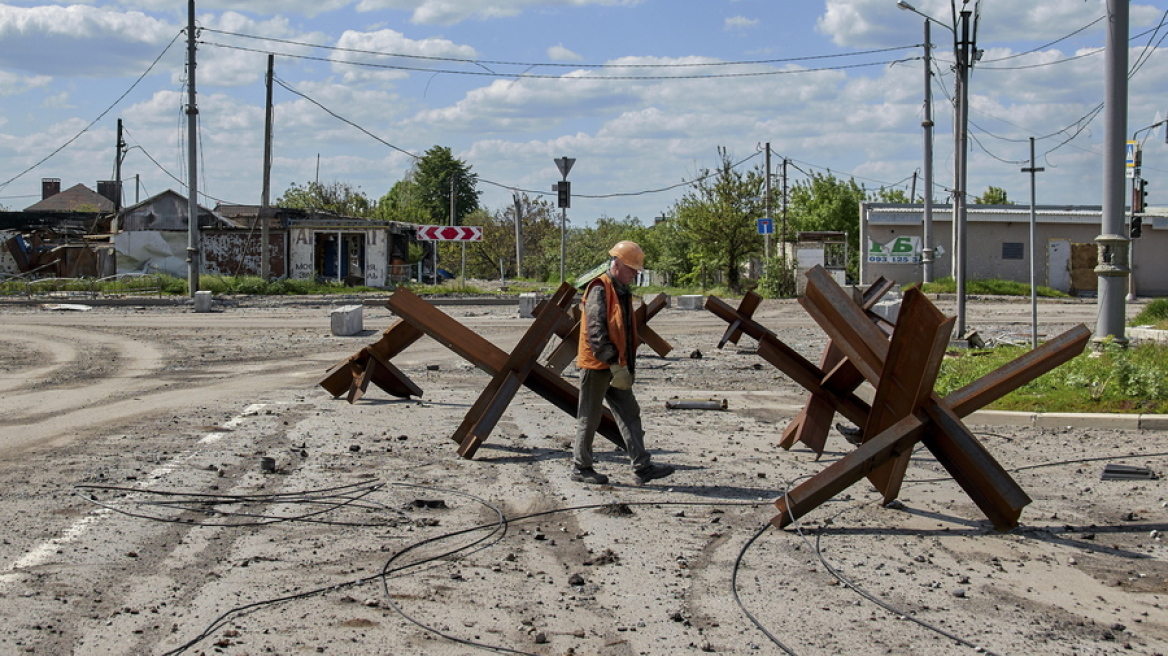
(1112,269)
(518,236)
(927,124)
(266,199)
(1032,170)
(118,170)
(563,242)
(960,163)
(767,200)
(193,259)
(783,235)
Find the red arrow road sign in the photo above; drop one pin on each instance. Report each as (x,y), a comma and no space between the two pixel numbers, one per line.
(450,233)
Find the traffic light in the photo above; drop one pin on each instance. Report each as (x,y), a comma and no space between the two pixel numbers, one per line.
(1139,196)
(564,192)
(1139,204)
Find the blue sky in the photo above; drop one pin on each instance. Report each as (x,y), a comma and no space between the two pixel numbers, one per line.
(641,92)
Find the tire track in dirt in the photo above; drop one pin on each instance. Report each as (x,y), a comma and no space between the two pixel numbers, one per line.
(123,369)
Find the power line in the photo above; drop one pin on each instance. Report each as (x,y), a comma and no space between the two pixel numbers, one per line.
(1046,45)
(99,116)
(575,65)
(544,76)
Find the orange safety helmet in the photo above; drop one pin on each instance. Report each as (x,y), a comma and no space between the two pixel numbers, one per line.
(629,254)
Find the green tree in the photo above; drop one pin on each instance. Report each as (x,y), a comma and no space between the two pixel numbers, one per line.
(891,195)
(403,202)
(438,174)
(826,203)
(667,251)
(993,196)
(588,246)
(717,217)
(337,197)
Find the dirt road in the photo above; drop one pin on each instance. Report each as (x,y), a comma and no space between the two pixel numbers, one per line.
(140,518)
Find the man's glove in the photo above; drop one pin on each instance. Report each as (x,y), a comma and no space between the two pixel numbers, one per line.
(622,378)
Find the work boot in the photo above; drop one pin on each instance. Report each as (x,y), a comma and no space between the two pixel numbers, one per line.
(653,472)
(588,476)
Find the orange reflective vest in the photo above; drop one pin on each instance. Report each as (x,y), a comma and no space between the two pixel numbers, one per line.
(585,359)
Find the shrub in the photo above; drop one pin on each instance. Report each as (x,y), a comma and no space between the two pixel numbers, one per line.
(1153,313)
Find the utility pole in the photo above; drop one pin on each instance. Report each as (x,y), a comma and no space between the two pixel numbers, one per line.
(266,200)
(783,234)
(193,259)
(121,147)
(965,51)
(927,124)
(518,235)
(1032,170)
(1112,269)
(767,200)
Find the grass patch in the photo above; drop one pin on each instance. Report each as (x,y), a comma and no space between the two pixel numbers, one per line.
(989,287)
(1154,314)
(1116,379)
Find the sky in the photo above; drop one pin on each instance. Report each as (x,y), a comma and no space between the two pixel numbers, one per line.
(641,93)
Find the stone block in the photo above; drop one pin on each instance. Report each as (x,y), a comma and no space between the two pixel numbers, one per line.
(690,302)
(527,304)
(348,320)
(203,301)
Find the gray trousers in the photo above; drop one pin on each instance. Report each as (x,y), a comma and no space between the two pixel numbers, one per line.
(594,390)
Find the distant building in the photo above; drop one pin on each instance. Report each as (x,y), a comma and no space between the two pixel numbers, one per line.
(998,245)
(77,198)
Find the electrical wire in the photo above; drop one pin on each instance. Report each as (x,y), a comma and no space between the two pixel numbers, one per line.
(542,76)
(1046,45)
(576,65)
(330,499)
(100,116)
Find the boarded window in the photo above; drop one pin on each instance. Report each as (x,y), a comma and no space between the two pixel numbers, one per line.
(1012,250)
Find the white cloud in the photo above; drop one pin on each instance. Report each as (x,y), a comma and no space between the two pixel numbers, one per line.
(739,23)
(416,55)
(12,84)
(449,12)
(46,40)
(560,54)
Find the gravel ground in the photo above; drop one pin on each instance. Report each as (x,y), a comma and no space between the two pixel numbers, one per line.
(141,516)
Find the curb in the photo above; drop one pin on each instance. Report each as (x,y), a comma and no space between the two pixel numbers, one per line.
(1071,419)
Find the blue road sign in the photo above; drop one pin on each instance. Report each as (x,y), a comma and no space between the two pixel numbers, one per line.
(766,226)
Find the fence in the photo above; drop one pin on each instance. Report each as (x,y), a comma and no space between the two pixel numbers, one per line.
(120,286)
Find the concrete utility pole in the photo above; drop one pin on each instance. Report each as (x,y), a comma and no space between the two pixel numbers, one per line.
(787,288)
(1113,269)
(121,147)
(767,200)
(518,235)
(927,124)
(193,259)
(1033,248)
(965,52)
(266,200)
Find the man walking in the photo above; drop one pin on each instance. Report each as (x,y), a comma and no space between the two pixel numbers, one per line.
(607,357)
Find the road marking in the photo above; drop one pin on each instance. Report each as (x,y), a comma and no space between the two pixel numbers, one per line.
(43,553)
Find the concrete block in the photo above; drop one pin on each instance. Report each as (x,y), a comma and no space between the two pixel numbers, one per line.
(527,304)
(889,309)
(1154,422)
(1088,420)
(202,301)
(690,302)
(348,320)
